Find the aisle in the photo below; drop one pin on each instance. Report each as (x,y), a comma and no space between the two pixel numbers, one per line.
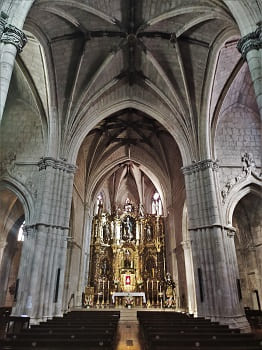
(128,331)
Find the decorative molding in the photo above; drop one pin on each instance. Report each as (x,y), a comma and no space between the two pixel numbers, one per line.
(59,164)
(28,228)
(229,229)
(200,166)
(8,163)
(251,41)
(248,168)
(13,35)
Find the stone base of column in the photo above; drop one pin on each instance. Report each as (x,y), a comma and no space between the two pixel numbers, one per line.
(233,322)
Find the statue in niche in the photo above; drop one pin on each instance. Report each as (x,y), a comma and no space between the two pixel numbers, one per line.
(149,235)
(127,259)
(106,233)
(127,229)
(105,268)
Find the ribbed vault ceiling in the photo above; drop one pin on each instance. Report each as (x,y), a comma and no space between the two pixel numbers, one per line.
(129,153)
(100,53)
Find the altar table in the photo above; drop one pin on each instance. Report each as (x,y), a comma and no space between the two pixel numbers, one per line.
(127,294)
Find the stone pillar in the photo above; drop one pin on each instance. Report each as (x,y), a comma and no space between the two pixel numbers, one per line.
(85,255)
(43,260)
(250,46)
(3,244)
(12,40)
(190,281)
(213,251)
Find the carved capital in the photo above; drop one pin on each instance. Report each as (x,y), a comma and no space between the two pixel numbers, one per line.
(56,164)
(14,36)
(3,22)
(251,41)
(200,166)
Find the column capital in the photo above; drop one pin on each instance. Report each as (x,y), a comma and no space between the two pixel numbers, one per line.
(3,22)
(199,166)
(13,35)
(59,164)
(251,41)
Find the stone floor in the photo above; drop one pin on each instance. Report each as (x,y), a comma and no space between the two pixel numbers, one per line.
(128,331)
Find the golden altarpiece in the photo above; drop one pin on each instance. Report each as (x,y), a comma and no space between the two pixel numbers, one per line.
(127,255)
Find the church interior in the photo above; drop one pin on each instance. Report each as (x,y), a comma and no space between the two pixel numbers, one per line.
(130,167)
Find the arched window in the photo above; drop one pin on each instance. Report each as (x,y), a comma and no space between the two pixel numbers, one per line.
(157,208)
(99,203)
(21,236)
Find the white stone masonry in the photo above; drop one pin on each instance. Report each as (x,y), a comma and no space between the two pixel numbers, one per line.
(43,259)
(213,251)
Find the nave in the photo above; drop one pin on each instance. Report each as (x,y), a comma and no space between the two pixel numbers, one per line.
(123,328)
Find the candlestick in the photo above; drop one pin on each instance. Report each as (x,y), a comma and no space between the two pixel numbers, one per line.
(108,293)
(152,282)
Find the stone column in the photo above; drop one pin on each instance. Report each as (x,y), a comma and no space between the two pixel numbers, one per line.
(12,40)
(190,281)
(250,46)
(85,255)
(3,244)
(43,260)
(213,251)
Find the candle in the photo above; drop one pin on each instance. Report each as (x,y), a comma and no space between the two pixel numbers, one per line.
(147,285)
(160,288)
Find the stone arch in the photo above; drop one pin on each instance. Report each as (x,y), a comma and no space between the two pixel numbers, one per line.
(89,123)
(246,13)
(248,235)
(240,191)
(12,217)
(22,193)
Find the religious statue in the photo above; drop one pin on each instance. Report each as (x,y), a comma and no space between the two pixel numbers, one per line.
(106,233)
(169,291)
(127,261)
(148,233)
(127,229)
(104,268)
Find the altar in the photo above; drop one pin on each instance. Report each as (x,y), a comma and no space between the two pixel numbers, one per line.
(140,295)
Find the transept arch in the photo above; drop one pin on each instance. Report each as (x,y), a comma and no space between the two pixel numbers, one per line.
(12,218)
(248,234)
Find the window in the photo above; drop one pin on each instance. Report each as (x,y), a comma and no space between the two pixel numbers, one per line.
(21,236)
(99,203)
(157,204)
